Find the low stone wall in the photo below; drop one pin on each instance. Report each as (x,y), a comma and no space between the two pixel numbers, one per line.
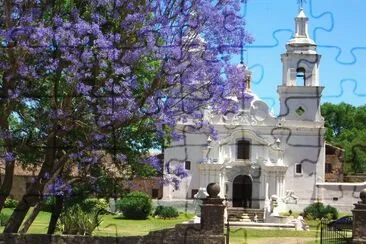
(62,239)
(340,194)
(181,234)
(354,178)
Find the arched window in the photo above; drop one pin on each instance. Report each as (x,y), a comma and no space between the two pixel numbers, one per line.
(243,149)
(300,77)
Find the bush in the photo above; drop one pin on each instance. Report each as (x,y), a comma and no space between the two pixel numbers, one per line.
(48,204)
(166,212)
(4,218)
(10,203)
(318,211)
(94,205)
(74,221)
(331,212)
(135,205)
(158,210)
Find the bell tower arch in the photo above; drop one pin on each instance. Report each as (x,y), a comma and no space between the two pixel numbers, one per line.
(300,91)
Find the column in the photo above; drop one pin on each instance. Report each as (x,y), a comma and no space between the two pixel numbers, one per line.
(277,184)
(281,186)
(359,220)
(212,211)
(207,169)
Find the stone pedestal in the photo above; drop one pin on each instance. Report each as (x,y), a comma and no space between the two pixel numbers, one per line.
(212,215)
(359,220)
(212,211)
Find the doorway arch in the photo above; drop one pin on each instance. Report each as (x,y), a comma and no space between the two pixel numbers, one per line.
(242,191)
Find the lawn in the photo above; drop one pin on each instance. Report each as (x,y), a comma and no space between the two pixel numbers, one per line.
(112,224)
(268,235)
(244,236)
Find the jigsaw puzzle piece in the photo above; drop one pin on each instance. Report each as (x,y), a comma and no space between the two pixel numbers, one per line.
(343,83)
(266,71)
(344,31)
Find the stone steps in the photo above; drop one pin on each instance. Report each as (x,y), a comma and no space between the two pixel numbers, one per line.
(242,214)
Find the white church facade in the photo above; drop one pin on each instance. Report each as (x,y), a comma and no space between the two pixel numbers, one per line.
(258,156)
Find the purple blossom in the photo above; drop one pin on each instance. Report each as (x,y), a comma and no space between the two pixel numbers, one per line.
(89,160)
(9,157)
(46,176)
(151,54)
(98,136)
(121,157)
(176,183)
(213,132)
(155,162)
(180,171)
(83,89)
(59,187)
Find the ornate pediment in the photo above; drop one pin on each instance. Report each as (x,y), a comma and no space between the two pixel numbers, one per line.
(241,118)
(257,114)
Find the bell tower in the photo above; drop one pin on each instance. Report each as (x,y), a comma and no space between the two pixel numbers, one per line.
(300,91)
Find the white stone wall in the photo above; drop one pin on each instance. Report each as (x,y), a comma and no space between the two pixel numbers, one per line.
(340,195)
(189,149)
(306,149)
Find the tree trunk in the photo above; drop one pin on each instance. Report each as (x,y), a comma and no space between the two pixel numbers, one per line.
(38,207)
(7,184)
(6,108)
(17,216)
(33,194)
(31,218)
(55,214)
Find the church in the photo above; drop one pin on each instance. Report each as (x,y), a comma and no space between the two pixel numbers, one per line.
(258,157)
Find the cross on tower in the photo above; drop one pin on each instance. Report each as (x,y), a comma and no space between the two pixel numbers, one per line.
(301,3)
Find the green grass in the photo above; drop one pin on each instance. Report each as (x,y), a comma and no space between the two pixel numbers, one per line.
(264,233)
(268,235)
(39,225)
(112,224)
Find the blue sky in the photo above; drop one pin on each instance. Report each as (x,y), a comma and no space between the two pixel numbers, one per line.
(337,26)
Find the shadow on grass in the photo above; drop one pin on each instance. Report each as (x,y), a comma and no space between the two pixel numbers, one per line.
(124,218)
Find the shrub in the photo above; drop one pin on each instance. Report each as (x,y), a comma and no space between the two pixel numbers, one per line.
(74,221)
(10,203)
(93,204)
(330,212)
(318,211)
(4,218)
(135,205)
(158,210)
(166,212)
(48,204)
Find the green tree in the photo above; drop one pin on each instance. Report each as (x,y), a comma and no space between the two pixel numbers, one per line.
(108,76)
(345,126)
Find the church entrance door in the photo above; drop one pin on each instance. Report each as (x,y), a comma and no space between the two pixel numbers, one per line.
(242,191)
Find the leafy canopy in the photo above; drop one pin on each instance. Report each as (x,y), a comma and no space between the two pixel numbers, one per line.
(346,128)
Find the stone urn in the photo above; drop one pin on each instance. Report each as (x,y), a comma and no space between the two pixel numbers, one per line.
(363,196)
(213,190)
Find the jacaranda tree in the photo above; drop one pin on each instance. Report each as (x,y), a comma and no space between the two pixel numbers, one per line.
(88,78)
